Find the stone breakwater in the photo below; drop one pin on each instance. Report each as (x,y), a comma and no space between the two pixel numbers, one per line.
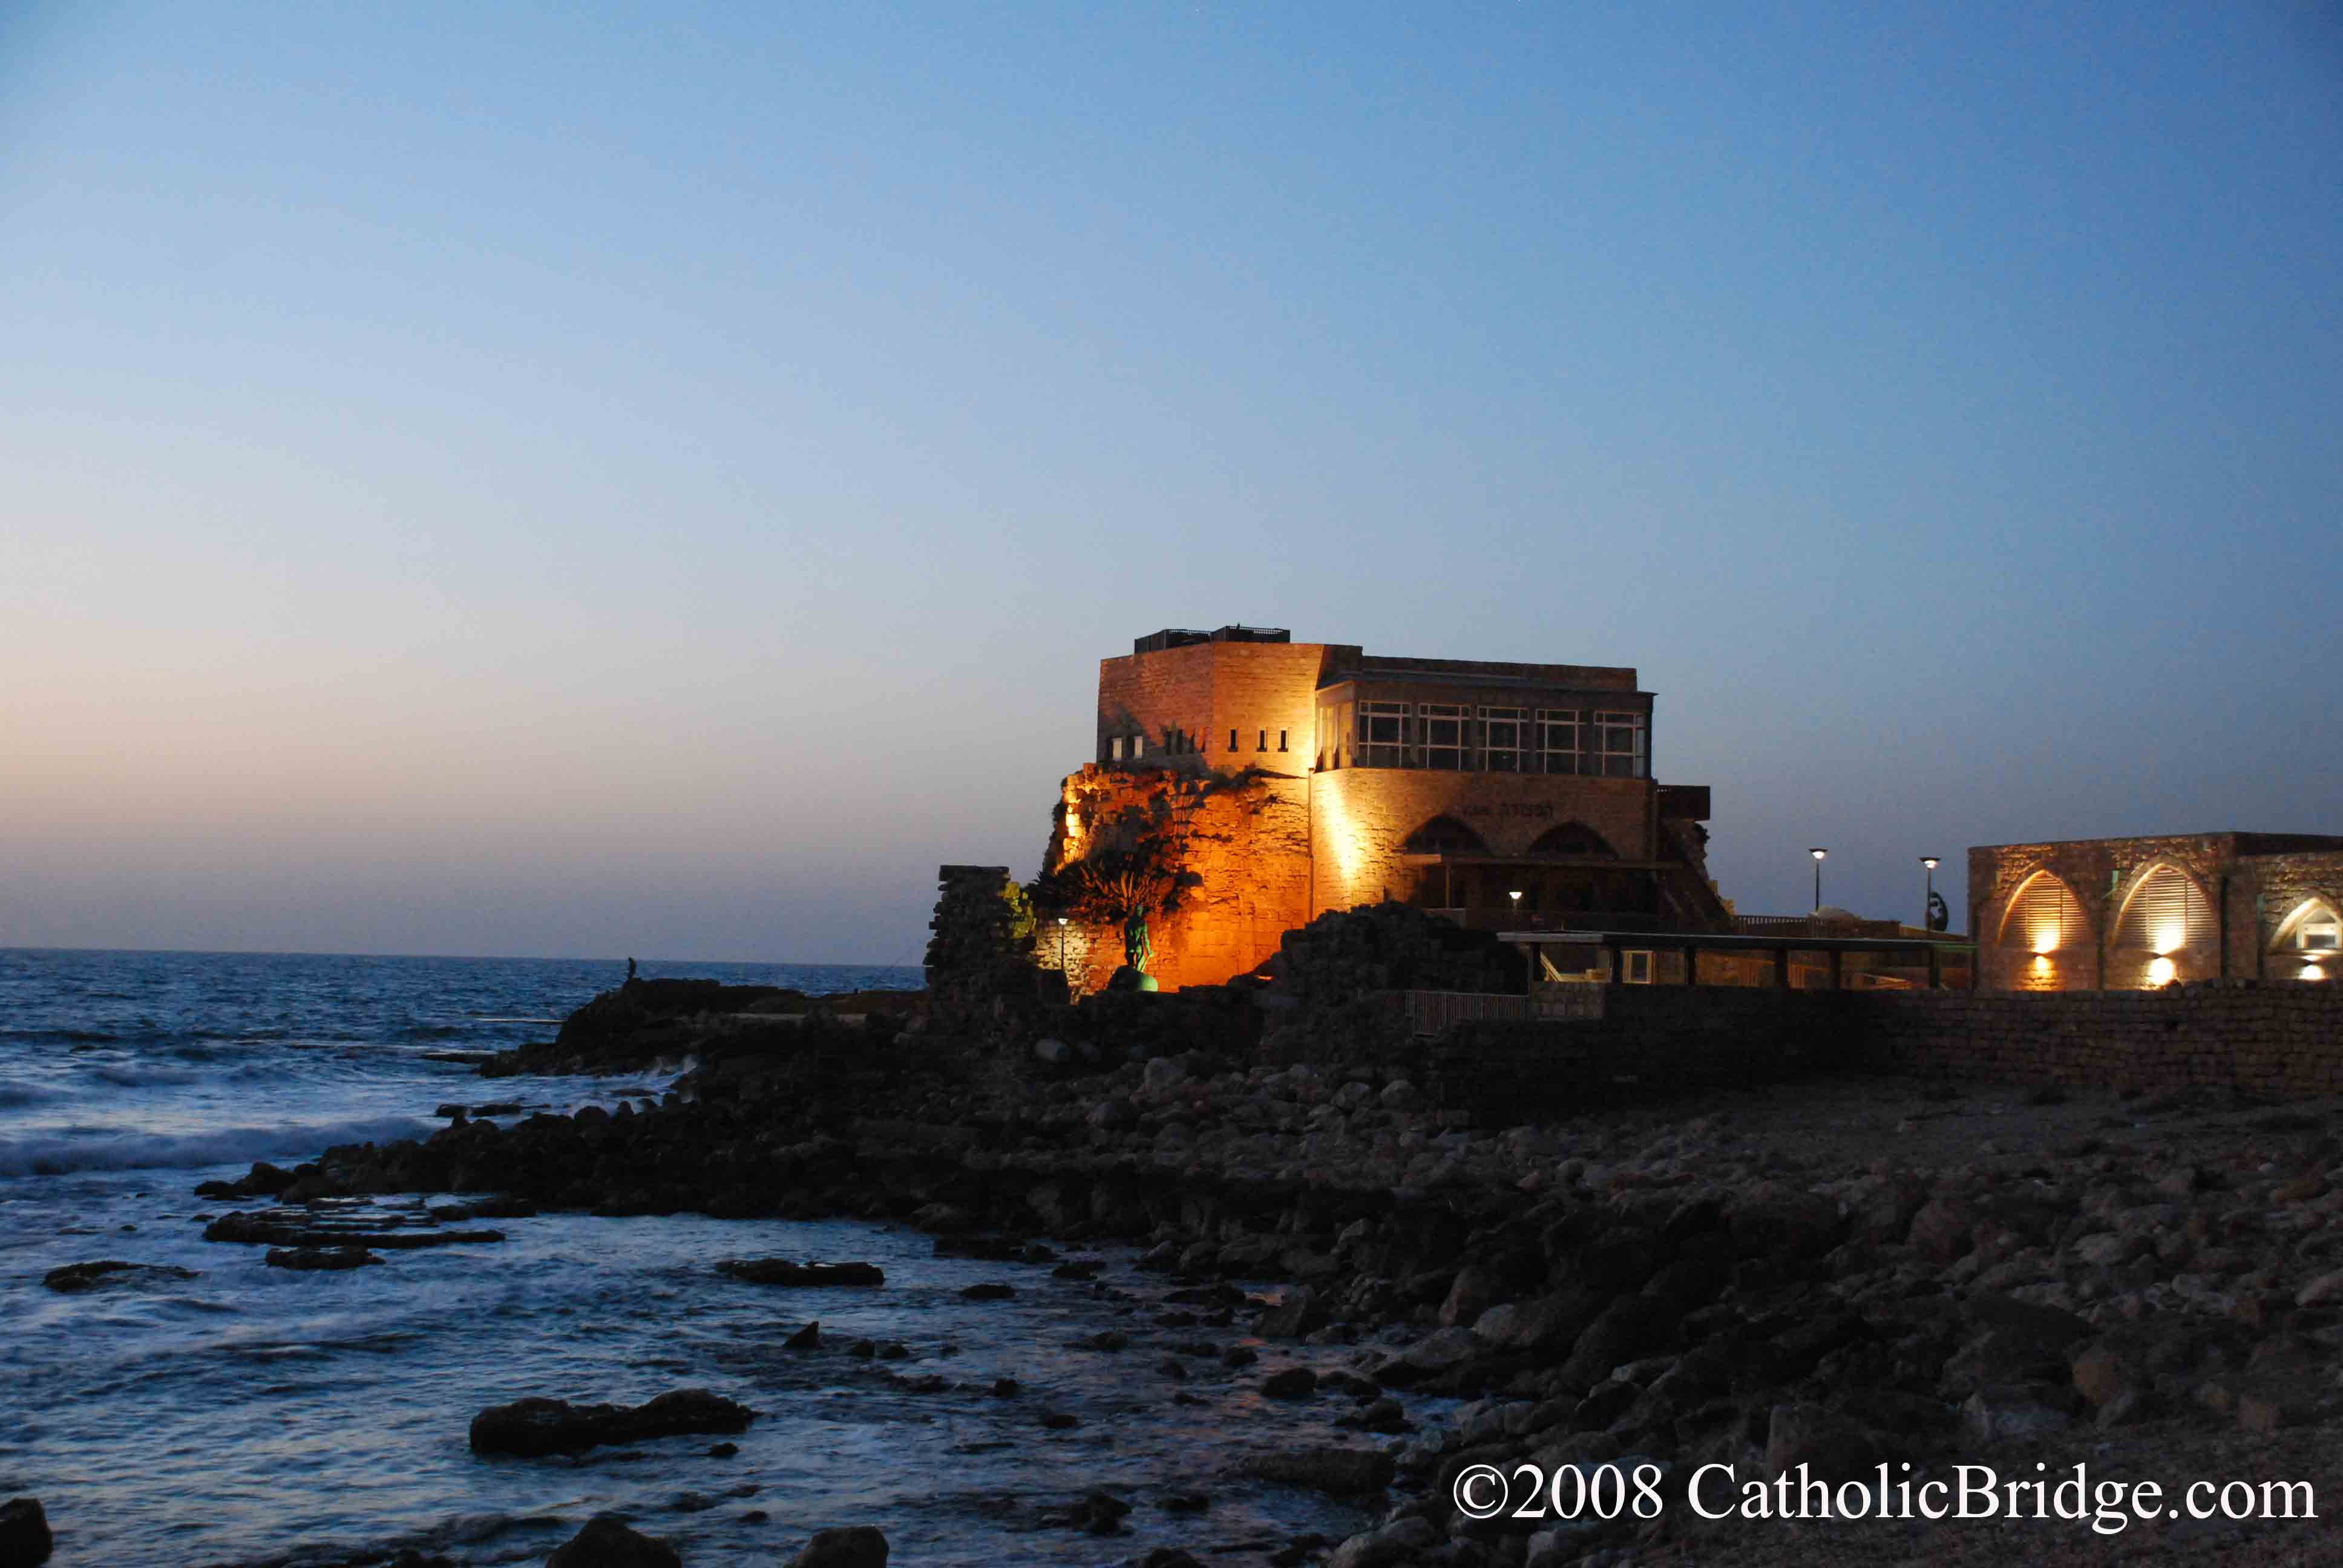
(1850,1272)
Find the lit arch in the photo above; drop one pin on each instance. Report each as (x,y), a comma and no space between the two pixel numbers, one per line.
(2316,925)
(1573,838)
(1443,835)
(2044,915)
(2165,911)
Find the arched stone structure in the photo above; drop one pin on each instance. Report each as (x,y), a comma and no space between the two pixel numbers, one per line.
(2043,938)
(2165,929)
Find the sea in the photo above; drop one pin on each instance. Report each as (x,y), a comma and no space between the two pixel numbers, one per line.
(248,1415)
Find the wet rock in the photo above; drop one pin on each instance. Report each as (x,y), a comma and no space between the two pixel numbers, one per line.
(1006,1388)
(852,1546)
(1101,1513)
(1169,1557)
(76,1276)
(801,1276)
(1237,1356)
(319,1259)
(264,1181)
(24,1533)
(534,1427)
(1059,1421)
(1342,1471)
(807,1338)
(990,1292)
(1292,1382)
(605,1542)
(1186,1502)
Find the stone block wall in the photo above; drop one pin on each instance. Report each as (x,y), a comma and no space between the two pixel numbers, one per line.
(1361,817)
(1187,701)
(2281,1040)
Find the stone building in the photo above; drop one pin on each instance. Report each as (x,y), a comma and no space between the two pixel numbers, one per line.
(1279,780)
(2118,914)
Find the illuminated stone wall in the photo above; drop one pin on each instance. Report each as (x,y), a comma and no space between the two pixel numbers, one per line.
(1242,843)
(1359,818)
(2251,881)
(1193,697)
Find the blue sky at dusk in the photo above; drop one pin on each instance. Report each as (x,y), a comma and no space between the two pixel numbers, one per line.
(592,480)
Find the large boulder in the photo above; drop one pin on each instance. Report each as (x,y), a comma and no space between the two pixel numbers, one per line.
(853,1546)
(25,1536)
(802,1276)
(536,1427)
(605,1543)
(111,1272)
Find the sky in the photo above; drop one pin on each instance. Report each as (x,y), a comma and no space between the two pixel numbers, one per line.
(585,480)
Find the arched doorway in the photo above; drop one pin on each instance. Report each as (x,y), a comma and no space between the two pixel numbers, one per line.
(2309,943)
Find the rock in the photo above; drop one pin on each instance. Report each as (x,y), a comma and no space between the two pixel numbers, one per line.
(1342,1471)
(2320,1290)
(1553,1319)
(605,1542)
(807,1338)
(1476,1289)
(1162,1074)
(2106,1376)
(1831,1446)
(852,1546)
(111,1272)
(1101,1513)
(299,1228)
(319,1258)
(1052,1051)
(1297,1313)
(1434,1355)
(2015,1412)
(1115,1115)
(1169,1557)
(1293,1382)
(1942,1230)
(1399,1542)
(801,1276)
(723,1450)
(534,1427)
(990,1292)
(25,1536)
(1059,1421)
(1399,1094)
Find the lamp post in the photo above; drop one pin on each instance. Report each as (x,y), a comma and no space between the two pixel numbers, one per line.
(1819,855)
(1061,944)
(1929,902)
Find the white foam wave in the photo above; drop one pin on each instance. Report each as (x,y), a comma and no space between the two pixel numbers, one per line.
(109,1148)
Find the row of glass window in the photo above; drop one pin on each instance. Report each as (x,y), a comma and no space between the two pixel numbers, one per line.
(1452,736)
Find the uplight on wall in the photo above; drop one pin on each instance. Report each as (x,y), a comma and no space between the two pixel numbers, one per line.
(2045,940)
(2169,937)
(2161,972)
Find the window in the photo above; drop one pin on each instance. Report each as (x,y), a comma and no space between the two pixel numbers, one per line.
(1620,737)
(1233,740)
(1557,739)
(1262,744)
(1281,741)
(1502,731)
(1639,966)
(1442,725)
(1383,734)
(1116,747)
(2319,933)
(1139,745)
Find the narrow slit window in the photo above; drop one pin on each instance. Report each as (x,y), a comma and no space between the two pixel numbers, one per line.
(1281,741)
(1233,740)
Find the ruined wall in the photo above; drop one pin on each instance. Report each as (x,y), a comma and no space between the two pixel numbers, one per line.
(1240,845)
(1362,816)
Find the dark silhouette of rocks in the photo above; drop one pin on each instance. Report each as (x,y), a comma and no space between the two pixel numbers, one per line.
(534,1427)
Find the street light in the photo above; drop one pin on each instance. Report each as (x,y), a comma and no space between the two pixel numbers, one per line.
(1819,855)
(1061,943)
(1928,904)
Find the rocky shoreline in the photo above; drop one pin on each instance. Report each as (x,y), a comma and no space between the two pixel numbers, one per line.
(1833,1275)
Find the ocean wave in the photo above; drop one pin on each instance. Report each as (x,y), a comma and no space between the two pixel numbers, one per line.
(146,1077)
(106,1149)
(15,1094)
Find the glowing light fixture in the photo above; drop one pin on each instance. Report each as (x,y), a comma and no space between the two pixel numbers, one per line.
(2161,972)
(2045,940)
(1819,855)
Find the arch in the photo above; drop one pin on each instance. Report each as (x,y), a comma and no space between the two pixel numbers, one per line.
(2165,911)
(1443,835)
(2044,915)
(2315,925)
(1573,838)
